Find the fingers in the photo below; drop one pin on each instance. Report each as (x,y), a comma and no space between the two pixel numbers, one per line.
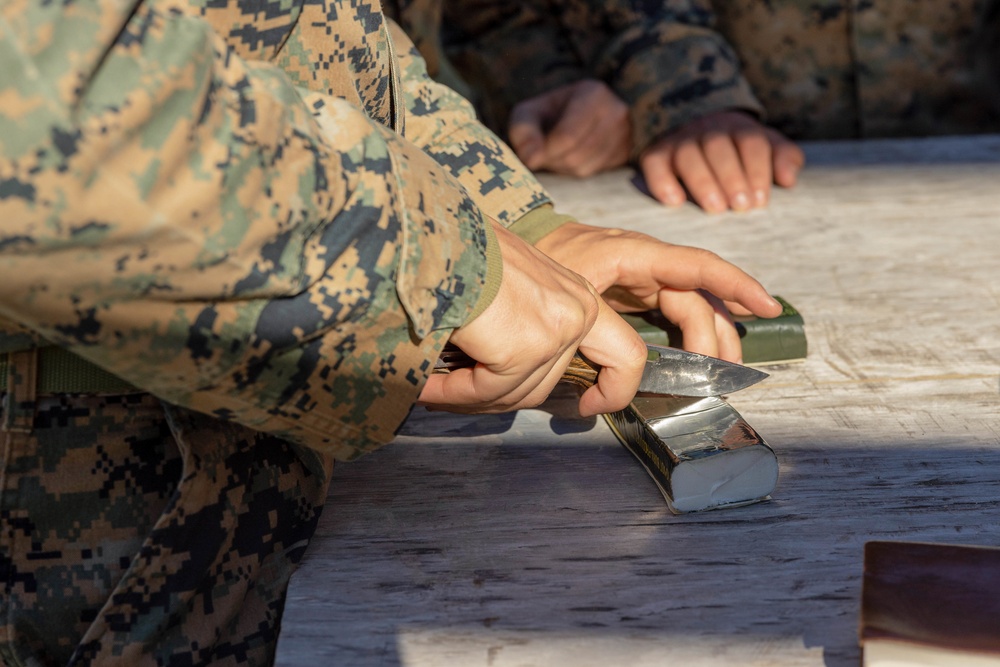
(637,272)
(730,345)
(731,171)
(737,310)
(727,337)
(632,268)
(525,339)
(528,120)
(621,353)
(706,324)
(711,171)
(692,166)
(755,155)
(578,129)
(593,133)
(656,165)
(726,160)
(695,317)
(490,387)
(699,269)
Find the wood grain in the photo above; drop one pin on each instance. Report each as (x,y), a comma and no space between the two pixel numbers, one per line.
(580,371)
(534,539)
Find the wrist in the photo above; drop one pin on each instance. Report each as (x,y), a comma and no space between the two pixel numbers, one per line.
(539,223)
(560,237)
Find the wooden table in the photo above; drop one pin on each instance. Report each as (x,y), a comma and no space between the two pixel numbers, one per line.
(536,540)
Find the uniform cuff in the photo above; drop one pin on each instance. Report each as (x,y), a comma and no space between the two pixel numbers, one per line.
(658,112)
(494,275)
(537,223)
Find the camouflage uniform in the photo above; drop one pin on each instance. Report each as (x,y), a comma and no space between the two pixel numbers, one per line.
(261,220)
(821,70)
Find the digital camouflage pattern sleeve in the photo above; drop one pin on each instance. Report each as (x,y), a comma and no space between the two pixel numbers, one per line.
(664,59)
(496,53)
(813,70)
(215,200)
(444,125)
(186,214)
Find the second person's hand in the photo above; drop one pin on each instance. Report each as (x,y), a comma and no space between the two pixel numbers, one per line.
(725,160)
(578,129)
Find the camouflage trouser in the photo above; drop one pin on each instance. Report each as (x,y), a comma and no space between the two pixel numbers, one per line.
(135,533)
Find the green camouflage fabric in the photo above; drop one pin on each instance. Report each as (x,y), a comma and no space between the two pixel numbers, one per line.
(133,533)
(265,215)
(445,126)
(315,259)
(508,51)
(814,70)
(663,59)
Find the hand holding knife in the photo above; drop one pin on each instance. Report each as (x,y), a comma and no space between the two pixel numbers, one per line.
(669,371)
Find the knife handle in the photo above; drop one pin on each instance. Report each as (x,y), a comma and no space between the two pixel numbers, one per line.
(580,371)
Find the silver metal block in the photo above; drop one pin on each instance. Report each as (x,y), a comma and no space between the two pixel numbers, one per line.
(700,452)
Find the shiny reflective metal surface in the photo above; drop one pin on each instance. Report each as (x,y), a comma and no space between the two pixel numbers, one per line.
(676,372)
(668,372)
(700,452)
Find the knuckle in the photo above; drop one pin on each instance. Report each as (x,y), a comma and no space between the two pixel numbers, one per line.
(753,141)
(716,142)
(637,353)
(687,149)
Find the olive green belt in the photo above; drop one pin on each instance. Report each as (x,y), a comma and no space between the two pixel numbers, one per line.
(62,372)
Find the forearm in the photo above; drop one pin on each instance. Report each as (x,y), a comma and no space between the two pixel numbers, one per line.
(444,125)
(183,220)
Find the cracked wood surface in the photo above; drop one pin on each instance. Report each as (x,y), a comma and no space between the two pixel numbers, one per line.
(536,540)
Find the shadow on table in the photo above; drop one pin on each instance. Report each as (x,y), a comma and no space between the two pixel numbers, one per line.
(447,552)
(560,408)
(905,152)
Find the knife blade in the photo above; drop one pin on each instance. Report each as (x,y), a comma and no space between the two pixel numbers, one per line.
(679,373)
(668,371)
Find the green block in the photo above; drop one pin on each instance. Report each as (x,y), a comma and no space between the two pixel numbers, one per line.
(765,341)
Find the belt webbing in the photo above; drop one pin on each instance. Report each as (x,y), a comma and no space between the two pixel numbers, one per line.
(62,372)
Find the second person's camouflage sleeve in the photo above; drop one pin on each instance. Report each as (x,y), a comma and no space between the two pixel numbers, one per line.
(444,125)
(496,54)
(197,225)
(665,59)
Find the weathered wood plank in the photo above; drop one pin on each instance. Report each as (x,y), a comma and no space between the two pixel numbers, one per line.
(536,540)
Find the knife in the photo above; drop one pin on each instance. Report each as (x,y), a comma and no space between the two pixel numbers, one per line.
(668,371)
